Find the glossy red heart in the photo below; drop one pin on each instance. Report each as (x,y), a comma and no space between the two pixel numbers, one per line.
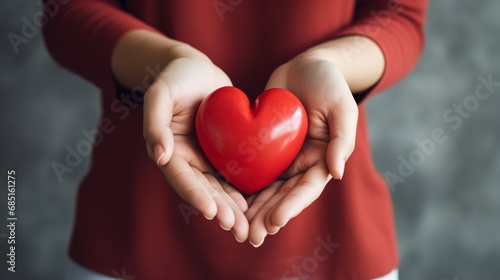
(251,146)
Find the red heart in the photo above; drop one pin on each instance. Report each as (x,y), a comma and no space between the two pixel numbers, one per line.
(251,147)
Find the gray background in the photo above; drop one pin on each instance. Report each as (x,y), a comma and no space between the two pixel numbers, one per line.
(448,210)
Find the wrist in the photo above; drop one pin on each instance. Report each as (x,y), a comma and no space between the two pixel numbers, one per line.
(314,60)
(319,53)
(140,50)
(183,50)
(359,59)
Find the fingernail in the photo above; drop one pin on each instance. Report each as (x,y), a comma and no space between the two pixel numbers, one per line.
(256,245)
(222,227)
(286,222)
(273,233)
(236,237)
(208,218)
(341,169)
(159,153)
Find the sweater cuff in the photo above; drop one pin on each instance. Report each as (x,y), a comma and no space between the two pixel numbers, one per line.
(393,42)
(83,37)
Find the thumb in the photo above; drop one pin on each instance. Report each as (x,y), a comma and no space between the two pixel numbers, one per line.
(342,124)
(158,111)
(278,78)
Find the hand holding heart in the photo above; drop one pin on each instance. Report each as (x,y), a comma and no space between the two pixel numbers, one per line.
(333,114)
(169,111)
(170,106)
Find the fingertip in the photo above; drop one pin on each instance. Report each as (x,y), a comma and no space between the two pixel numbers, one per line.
(208,214)
(330,159)
(274,232)
(159,153)
(256,244)
(169,149)
(240,230)
(163,152)
(271,226)
(208,208)
(226,224)
(280,219)
(237,237)
(224,227)
(257,233)
(334,162)
(225,216)
(340,169)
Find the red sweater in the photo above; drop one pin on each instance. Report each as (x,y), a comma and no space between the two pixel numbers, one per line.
(127,215)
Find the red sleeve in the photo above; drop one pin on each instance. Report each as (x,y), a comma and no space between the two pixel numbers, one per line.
(397,27)
(81,36)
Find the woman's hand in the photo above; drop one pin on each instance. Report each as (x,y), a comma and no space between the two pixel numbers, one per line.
(333,114)
(170,106)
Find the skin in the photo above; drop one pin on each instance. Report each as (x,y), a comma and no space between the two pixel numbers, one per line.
(324,78)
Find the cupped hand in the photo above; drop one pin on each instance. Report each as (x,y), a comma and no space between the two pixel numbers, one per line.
(170,106)
(332,114)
